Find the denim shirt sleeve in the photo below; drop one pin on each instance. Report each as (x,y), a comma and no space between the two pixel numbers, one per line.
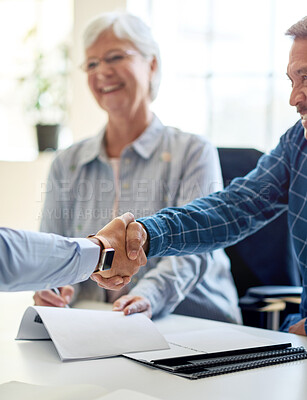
(225,217)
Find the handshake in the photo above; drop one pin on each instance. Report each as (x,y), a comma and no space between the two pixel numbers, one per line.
(129,240)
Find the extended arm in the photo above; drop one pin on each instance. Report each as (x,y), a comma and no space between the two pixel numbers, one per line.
(32,260)
(222,218)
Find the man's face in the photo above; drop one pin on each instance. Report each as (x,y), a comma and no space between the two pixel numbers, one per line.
(297,72)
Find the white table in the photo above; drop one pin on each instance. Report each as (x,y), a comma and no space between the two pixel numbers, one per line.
(39,363)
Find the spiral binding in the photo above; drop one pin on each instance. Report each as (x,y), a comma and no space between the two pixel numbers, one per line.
(249,365)
(239,358)
(225,364)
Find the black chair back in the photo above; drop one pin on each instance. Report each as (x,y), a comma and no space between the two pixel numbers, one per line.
(264,258)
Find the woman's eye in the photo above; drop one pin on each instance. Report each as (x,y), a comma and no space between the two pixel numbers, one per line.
(114,59)
(92,65)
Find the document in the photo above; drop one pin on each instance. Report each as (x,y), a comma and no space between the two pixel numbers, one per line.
(90,334)
(25,391)
(202,341)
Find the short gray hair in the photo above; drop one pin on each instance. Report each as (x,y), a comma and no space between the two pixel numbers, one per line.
(298,30)
(129,27)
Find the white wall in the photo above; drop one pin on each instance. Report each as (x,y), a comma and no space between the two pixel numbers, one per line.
(22,183)
(22,191)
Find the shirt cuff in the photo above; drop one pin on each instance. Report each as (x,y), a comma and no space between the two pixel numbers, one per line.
(89,257)
(155,229)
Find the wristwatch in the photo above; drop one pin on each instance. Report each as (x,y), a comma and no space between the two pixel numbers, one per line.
(106,254)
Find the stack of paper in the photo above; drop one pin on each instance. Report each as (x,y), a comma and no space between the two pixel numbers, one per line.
(88,334)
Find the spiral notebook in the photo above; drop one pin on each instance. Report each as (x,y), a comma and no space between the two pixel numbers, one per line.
(216,351)
(224,362)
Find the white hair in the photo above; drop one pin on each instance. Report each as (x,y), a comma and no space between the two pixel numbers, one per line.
(298,30)
(128,27)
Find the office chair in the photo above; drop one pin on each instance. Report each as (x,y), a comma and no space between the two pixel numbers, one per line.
(264,270)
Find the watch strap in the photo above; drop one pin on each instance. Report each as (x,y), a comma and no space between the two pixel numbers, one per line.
(103,243)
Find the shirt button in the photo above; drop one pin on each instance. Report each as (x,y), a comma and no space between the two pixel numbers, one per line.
(48,286)
(126,185)
(83,276)
(166,156)
(127,161)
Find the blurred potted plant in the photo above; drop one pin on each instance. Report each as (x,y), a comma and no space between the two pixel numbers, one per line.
(46,88)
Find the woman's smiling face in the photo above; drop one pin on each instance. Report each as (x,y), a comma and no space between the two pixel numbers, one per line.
(118,75)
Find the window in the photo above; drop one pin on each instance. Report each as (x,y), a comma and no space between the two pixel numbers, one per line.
(224,67)
(26,27)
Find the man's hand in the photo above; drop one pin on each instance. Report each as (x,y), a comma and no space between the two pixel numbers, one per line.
(136,240)
(122,266)
(130,304)
(116,282)
(298,328)
(50,299)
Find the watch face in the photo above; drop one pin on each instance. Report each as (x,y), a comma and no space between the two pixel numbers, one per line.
(107,258)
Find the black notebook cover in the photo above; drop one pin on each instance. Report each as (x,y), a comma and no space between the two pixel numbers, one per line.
(212,364)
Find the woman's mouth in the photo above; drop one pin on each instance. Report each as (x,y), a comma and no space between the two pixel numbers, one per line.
(111,88)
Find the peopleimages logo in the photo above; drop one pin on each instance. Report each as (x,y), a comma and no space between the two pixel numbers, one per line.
(128,190)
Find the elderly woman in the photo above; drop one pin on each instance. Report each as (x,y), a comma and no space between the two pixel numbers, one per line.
(136,164)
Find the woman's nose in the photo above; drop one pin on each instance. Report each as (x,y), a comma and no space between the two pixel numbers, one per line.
(103,68)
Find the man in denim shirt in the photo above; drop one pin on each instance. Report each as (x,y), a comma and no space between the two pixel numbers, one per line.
(278,183)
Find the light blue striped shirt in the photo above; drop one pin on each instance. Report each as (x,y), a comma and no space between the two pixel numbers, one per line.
(33,260)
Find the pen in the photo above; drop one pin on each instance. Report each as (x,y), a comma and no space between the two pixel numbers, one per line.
(56,291)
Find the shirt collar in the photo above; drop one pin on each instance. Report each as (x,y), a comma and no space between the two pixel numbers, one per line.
(147,143)
(91,148)
(144,145)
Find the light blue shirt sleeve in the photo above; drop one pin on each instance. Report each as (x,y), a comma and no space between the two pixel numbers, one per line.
(33,260)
